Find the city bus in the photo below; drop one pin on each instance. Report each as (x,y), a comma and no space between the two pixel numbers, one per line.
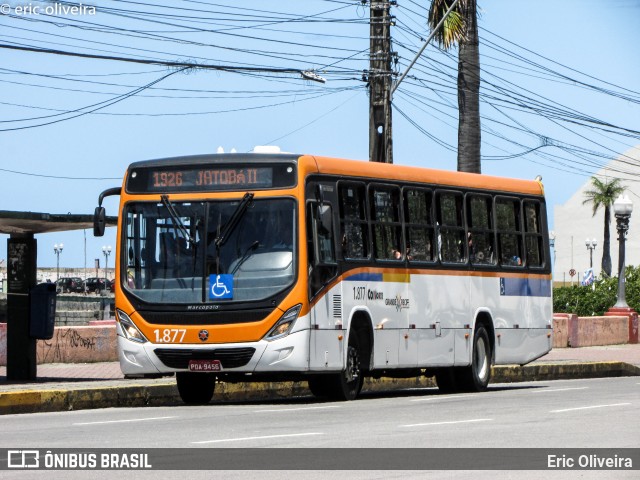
(267,267)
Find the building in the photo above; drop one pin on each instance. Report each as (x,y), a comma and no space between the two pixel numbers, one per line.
(574,223)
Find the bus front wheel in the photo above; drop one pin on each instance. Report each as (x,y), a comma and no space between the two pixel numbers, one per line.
(196,388)
(345,385)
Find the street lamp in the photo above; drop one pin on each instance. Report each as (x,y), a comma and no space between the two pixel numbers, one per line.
(622,208)
(58,250)
(106,251)
(591,246)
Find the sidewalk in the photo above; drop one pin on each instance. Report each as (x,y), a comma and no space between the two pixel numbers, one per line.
(63,386)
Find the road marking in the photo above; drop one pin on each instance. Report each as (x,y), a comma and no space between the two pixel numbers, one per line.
(123,421)
(590,407)
(266,437)
(442,397)
(558,389)
(297,409)
(448,423)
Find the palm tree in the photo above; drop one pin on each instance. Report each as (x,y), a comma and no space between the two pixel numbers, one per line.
(462,27)
(603,194)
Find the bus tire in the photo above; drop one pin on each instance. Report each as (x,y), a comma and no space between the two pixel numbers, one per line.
(347,384)
(196,388)
(446,380)
(476,376)
(319,386)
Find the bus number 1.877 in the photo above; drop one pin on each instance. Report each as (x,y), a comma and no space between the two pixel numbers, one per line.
(170,335)
(359,293)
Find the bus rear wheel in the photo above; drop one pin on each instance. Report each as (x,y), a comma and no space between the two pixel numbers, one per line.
(196,388)
(476,376)
(446,380)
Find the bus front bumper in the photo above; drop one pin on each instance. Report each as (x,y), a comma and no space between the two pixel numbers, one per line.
(286,354)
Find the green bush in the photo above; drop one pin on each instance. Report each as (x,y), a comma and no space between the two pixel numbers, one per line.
(594,301)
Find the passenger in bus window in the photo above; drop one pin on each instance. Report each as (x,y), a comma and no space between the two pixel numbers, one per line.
(408,252)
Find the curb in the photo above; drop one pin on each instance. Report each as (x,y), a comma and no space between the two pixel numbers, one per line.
(165,393)
(72,398)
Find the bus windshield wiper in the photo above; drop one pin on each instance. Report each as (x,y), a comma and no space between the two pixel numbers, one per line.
(245,255)
(233,221)
(174,216)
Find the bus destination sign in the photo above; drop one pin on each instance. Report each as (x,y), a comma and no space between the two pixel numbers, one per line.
(211,177)
(197,179)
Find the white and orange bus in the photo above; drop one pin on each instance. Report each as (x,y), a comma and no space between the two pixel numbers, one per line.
(262,267)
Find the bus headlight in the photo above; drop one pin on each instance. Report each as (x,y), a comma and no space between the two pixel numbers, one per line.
(130,331)
(285,324)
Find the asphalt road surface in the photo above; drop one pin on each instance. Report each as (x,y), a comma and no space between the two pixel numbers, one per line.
(594,413)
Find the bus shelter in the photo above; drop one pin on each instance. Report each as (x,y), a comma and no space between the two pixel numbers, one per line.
(22,256)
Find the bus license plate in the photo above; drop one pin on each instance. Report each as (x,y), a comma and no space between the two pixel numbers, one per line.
(205,366)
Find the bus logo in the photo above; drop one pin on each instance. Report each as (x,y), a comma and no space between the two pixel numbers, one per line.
(203,335)
(23,458)
(220,287)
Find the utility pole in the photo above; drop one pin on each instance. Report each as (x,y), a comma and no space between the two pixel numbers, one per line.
(380,82)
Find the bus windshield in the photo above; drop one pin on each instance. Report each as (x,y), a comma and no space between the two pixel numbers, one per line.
(173,250)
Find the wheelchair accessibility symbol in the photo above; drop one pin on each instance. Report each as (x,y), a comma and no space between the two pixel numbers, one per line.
(220,286)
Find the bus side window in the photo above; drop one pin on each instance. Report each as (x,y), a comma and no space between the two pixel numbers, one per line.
(419,225)
(320,246)
(323,235)
(452,238)
(480,238)
(353,224)
(533,234)
(385,219)
(509,231)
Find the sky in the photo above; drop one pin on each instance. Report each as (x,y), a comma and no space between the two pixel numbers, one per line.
(560,93)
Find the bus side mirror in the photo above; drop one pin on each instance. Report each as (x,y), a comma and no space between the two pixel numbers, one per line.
(99,221)
(99,215)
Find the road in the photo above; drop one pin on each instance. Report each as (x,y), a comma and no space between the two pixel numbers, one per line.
(558,414)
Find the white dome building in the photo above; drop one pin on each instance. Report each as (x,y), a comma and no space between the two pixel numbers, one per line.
(574,223)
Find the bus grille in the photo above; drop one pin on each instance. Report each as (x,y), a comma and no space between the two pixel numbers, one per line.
(337,306)
(229,357)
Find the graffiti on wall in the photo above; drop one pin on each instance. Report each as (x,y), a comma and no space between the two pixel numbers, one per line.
(57,349)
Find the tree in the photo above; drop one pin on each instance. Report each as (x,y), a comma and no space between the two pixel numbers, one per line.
(603,194)
(461,27)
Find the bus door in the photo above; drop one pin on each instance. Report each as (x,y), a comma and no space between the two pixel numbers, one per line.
(326,314)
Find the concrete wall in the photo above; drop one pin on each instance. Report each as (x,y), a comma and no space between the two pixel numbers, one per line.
(79,345)
(97,343)
(569,330)
(87,344)
(80,309)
